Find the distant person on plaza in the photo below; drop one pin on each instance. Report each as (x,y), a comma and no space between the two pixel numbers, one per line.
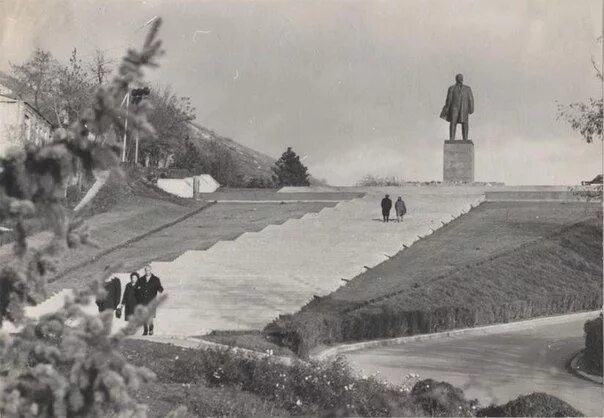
(147,288)
(129,300)
(113,291)
(400,208)
(386,206)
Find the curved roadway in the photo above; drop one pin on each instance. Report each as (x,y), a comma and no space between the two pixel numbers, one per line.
(494,368)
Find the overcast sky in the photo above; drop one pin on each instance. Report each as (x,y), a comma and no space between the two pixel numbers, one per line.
(356,86)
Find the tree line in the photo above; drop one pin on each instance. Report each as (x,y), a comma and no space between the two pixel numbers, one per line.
(61,91)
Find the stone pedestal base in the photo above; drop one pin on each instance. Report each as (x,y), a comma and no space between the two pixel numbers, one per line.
(458,161)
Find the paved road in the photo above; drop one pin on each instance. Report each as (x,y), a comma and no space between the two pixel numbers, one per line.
(494,368)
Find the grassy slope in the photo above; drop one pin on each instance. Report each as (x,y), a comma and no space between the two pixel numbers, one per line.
(501,262)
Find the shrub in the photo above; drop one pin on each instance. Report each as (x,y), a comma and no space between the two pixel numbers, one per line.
(328,388)
(593,344)
(374,181)
(533,405)
(441,399)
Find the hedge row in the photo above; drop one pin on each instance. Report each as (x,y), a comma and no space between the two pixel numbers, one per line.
(307,330)
(534,405)
(593,344)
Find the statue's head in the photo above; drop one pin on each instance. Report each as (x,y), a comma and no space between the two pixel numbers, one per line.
(459,78)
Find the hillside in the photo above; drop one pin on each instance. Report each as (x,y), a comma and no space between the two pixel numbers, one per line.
(248,162)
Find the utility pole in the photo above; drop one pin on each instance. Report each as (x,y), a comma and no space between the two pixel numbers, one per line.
(136,148)
(137,96)
(127,99)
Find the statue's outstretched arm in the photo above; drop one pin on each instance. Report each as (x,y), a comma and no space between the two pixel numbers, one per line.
(445,111)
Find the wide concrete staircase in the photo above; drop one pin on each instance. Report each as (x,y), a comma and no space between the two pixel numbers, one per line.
(244,284)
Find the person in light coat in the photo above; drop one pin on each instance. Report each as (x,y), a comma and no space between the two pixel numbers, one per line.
(400,209)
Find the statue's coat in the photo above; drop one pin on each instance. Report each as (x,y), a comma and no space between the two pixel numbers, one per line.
(459,104)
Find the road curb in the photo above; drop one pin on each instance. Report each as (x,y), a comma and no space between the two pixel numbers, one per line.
(329,352)
(129,242)
(574,368)
(201,344)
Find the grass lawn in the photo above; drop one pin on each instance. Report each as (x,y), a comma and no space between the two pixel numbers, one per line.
(503,261)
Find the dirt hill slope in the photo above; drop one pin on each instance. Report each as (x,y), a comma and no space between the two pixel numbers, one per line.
(249,163)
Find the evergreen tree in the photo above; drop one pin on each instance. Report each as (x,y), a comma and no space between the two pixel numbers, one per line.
(66,363)
(289,171)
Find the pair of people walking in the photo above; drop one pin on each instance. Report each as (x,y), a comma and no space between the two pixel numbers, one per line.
(140,291)
(399,208)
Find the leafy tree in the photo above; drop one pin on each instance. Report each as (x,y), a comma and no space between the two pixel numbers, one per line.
(72,91)
(222,165)
(100,67)
(66,363)
(585,117)
(189,157)
(289,170)
(34,79)
(170,115)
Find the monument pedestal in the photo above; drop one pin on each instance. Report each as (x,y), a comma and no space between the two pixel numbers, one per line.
(458,161)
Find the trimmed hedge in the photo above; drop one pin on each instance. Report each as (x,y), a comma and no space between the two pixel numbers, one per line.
(533,405)
(307,330)
(593,344)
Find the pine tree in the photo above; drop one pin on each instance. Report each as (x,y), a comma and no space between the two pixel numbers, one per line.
(289,171)
(67,363)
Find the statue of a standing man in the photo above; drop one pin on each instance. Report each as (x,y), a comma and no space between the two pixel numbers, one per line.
(458,106)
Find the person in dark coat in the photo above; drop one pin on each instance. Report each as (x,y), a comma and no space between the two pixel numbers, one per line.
(129,300)
(147,288)
(386,206)
(113,291)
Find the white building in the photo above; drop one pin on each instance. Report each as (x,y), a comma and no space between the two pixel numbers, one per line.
(20,123)
(189,187)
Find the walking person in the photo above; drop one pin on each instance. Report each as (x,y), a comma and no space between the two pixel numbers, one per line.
(386,206)
(129,300)
(147,288)
(400,209)
(113,291)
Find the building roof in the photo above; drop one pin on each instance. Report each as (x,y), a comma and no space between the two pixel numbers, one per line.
(8,94)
